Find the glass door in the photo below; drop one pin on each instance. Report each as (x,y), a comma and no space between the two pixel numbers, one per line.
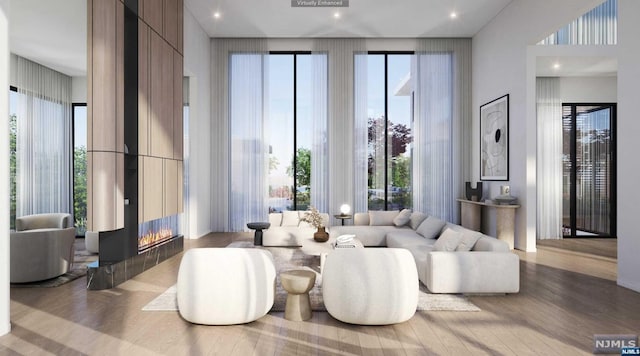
(589,168)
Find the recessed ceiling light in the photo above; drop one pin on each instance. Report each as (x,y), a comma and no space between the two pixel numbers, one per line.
(453,15)
(216,15)
(336,15)
(556,65)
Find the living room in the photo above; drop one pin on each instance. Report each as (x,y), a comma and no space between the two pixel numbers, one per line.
(503,58)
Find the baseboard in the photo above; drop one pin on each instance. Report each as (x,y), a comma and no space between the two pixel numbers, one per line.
(633,286)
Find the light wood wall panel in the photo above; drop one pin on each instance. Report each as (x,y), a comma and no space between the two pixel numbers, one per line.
(170,25)
(102,112)
(106,178)
(180,186)
(153,186)
(161,87)
(144,98)
(152,14)
(178,104)
(170,187)
(105,109)
(181,26)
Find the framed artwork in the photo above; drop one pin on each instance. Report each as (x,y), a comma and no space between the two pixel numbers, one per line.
(494,139)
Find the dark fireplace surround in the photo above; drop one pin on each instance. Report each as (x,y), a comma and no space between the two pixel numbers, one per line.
(120,256)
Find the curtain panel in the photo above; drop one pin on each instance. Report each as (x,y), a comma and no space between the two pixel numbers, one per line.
(549,170)
(442,125)
(44,144)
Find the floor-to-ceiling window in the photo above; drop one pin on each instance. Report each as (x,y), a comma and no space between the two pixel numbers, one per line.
(589,170)
(389,109)
(289,130)
(13,129)
(278,126)
(79,117)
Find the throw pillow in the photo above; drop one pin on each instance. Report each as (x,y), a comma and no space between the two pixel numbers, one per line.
(431,227)
(382,218)
(417,219)
(448,241)
(290,218)
(469,239)
(403,218)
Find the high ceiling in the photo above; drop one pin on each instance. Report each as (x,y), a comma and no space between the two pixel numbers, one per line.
(53,32)
(50,32)
(363,18)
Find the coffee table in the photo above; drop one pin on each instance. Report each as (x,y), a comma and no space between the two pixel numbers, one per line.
(322,249)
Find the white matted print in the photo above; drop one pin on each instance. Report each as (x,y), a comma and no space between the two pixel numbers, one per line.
(494,139)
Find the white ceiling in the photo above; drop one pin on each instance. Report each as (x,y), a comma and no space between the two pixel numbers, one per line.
(576,67)
(53,32)
(50,32)
(363,18)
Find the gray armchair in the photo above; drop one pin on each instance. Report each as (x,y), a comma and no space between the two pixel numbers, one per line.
(42,247)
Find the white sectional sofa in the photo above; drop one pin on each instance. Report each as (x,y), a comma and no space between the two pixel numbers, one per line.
(287,230)
(461,261)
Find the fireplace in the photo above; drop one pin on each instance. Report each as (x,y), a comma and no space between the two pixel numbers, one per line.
(156,232)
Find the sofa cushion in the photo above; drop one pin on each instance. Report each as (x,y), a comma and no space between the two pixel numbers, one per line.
(431,227)
(290,218)
(361,219)
(402,218)
(416,219)
(275,219)
(448,240)
(406,238)
(469,239)
(382,218)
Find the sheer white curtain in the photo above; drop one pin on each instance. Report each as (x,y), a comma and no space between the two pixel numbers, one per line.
(360,141)
(43,139)
(248,148)
(340,124)
(549,171)
(221,141)
(442,72)
(319,149)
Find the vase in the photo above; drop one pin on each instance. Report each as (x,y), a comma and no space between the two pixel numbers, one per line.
(321,235)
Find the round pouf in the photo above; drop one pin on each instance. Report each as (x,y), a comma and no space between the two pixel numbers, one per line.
(298,283)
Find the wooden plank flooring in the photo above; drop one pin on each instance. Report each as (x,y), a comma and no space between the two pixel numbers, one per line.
(565,298)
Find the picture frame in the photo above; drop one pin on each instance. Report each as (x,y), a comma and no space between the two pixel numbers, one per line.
(494,140)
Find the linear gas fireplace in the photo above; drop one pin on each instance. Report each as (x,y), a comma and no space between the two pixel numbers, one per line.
(156,232)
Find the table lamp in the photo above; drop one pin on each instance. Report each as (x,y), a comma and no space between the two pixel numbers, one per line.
(345,209)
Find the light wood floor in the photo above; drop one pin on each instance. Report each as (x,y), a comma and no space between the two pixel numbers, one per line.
(564,300)
(607,247)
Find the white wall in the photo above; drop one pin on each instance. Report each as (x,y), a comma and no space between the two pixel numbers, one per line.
(628,129)
(5,325)
(501,66)
(78,89)
(589,89)
(197,66)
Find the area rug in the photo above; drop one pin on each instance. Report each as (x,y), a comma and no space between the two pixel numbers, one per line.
(293,258)
(81,259)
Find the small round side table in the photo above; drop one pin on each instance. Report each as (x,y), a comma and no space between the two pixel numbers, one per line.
(258,226)
(298,283)
(343,217)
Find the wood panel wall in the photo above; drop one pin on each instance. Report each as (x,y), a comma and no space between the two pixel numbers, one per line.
(160,72)
(105,115)
(160,120)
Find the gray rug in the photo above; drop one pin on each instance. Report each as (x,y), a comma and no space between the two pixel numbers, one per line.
(292,258)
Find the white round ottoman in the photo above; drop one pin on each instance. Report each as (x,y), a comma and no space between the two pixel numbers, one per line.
(370,286)
(92,241)
(224,286)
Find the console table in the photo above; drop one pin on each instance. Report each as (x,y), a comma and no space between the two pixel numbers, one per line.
(471,218)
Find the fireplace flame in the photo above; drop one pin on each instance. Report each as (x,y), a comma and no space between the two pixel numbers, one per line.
(154,237)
